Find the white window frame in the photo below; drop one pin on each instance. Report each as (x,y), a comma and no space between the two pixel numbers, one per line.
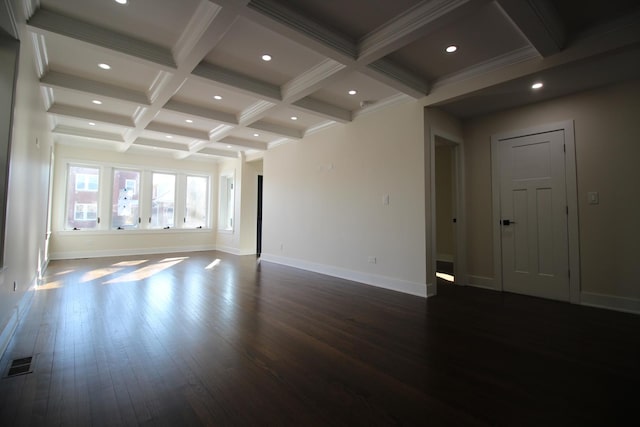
(226,202)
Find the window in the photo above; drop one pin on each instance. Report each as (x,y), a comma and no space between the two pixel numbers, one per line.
(82,198)
(163,199)
(125,201)
(196,203)
(226,203)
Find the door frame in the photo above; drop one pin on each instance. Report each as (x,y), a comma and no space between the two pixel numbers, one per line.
(573,234)
(459,257)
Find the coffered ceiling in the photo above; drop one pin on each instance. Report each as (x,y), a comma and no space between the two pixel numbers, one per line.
(187,78)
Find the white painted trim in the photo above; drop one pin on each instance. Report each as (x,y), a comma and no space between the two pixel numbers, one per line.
(611,302)
(304,84)
(399,285)
(128,251)
(199,23)
(400,98)
(482,282)
(17,313)
(567,127)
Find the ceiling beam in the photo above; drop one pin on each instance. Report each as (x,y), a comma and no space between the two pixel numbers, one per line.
(237,81)
(178,131)
(54,79)
(161,144)
(539,23)
(202,112)
(92,115)
(84,133)
(244,143)
(46,21)
(324,109)
(312,80)
(220,153)
(276,129)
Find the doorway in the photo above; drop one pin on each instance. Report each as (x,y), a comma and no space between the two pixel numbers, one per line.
(535,212)
(445,185)
(259,224)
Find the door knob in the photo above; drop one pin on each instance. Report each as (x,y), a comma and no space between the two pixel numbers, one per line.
(507,222)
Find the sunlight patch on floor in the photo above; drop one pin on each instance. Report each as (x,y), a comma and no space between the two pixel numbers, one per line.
(98,274)
(131,263)
(55,284)
(213,264)
(445,276)
(146,272)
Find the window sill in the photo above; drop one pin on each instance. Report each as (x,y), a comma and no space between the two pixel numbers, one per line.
(131,231)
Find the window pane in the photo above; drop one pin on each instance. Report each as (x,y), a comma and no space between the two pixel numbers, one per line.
(125,199)
(196,203)
(82,197)
(163,200)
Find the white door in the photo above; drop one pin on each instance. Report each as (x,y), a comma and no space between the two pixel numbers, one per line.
(533,211)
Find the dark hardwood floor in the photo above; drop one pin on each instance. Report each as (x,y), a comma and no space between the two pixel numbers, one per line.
(164,340)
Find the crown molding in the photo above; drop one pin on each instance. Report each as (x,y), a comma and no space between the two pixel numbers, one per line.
(40,53)
(324,109)
(302,27)
(237,81)
(154,143)
(160,82)
(219,132)
(244,143)
(278,142)
(8,20)
(406,28)
(388,72)
(202,112)
(311,80)
(178,131)
(200,21)
(86,114)
(218,153)
(318,128)
(254,112)
(382,104)
(276,129)
(510,58)
(29,7)
(84,133)
(46,21)
(56,79)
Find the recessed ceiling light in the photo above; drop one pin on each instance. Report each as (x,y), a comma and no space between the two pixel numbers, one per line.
(91,124)
(104,66)
(294,118)
(256,134)
(189,121)
(122,1)
(168,136)
(451,49)
(217,97)
(95,101)
(266,57)
(352,92)
(536,85)
(228,146)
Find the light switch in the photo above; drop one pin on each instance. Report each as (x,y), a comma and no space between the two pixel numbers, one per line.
(594,198)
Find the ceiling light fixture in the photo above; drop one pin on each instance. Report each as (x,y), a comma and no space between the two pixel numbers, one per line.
(122,1)
(217,97)
(256,134)
(536,85)
(97,102)
(104,66)
(294,118)
(168,136)
(352,92)
(228,146)
(91,124)
(189,121)
(266,57)
(451,49)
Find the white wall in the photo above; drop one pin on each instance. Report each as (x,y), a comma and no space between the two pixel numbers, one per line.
(74,244)
(323,200)
(607,126)
(25,232)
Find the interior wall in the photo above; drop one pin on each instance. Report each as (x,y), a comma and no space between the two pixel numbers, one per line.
(249,207)
(324,201)
(72,244)
(607,153)
(444,202)
(229,241)
(27,187)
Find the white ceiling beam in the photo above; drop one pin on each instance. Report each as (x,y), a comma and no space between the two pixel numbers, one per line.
(539,23)
(161,144)
(276,129)
(92,115)
(389,73)
(312,80)
(411,25)
(178,131)
(219,153)
(244,143)
(237,81)
(46,21)
(324,109)
(254,112)
(56,79)
(202,112)
(84,133)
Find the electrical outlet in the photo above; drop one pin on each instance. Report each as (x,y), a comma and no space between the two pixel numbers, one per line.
(372,260)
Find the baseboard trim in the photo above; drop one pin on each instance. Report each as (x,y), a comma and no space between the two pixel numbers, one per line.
(18,312)
(611,302)
(481,282)
(126,252)
(234,251)
(399,285)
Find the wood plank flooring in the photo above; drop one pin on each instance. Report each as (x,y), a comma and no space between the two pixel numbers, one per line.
(183,339)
